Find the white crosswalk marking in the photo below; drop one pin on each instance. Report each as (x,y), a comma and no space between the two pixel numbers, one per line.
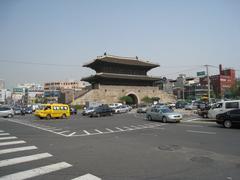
(23,159)
(36,172)
(25,148)
(87,177)
(4,134)
(11,143)
(6,138)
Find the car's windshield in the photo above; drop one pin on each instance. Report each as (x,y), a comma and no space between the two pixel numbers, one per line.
(166,110)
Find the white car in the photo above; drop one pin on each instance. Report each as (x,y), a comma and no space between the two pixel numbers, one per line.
(122,109)
(6,112)
(88,111)
(163,114)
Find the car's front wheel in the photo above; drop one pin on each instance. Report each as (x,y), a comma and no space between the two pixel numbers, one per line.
(164,119)
(227,124)
(10,115)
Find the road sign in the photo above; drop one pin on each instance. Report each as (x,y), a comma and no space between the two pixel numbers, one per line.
(202,73)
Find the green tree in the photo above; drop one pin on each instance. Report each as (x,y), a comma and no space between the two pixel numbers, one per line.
(126,99)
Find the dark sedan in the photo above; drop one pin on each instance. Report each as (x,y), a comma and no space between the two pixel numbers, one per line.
(101,111)
(228,119)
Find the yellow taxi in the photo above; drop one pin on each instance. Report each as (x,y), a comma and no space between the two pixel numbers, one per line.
(49,111)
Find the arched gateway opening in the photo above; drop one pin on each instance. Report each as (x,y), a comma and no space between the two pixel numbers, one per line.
(134,98)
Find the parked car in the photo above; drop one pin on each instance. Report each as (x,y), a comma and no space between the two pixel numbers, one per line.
(142,109)
(180,104)
(115,105)
(101,111)
(190,106)
(122,109)
(163,114)
(203,110)
(17,110)
(28,110)
(230,118)
(6,111)
(88,111)
(171,105)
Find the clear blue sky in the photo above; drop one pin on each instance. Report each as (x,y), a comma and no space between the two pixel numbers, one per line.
(180,35)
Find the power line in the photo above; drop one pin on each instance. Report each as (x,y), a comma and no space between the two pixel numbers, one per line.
(186,70)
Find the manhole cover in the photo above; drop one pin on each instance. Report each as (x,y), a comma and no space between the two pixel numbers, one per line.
(201,159)
(169,147)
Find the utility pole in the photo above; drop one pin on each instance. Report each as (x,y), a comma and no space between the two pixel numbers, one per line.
(208,82)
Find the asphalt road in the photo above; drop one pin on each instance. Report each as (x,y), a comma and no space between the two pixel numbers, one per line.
(119,147)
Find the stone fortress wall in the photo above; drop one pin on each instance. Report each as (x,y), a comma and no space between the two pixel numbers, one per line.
(107,94)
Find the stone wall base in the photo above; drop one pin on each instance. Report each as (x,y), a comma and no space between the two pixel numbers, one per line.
(107,94)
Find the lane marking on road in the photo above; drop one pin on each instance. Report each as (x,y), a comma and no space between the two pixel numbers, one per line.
(12,142)
(36,126)
(128,128)
(98,131)
(11,150)
(4,134)
(23,159)
(1,131)
(109,130)
(136,127)
(86,132)
(72,134)
(52,128)
(201,132)
(189,125)
(63,132)
(119,129)
(7,138)
(189,120)
(87,177)
(36,172)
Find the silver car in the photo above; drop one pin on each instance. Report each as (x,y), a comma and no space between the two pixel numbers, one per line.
(163,114)
(6,111)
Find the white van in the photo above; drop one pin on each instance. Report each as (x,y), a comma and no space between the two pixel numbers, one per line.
(222,107)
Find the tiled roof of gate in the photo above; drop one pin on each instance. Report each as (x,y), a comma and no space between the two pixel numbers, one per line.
(122,76)
(122,60)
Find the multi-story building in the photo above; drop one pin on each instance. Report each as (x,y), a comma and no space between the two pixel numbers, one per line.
(63,91)
(221,82)
(5,96)
(62,85)
(2,84)
(20,95)
(27,93)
